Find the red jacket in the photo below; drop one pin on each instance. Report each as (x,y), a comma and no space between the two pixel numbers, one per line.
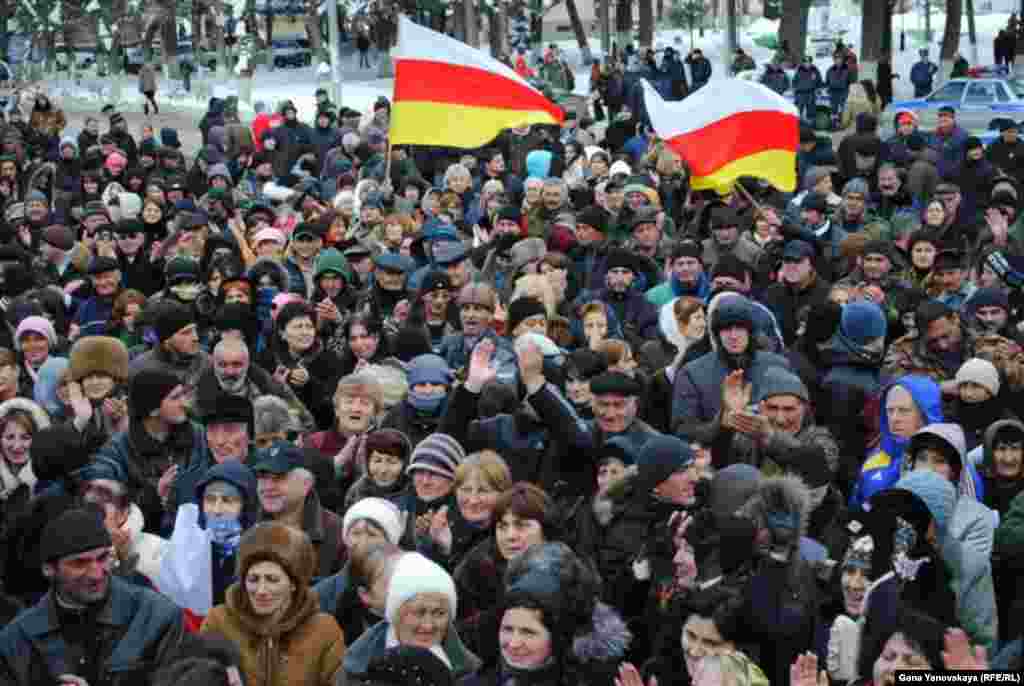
(260,124)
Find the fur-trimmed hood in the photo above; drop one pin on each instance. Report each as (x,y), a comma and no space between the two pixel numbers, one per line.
(34,411)
(264,265)
(608,639)
(777,500)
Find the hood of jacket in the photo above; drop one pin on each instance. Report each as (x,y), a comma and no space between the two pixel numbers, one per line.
(993,431)
(952,435)
(38,415)
(669,327)
(72,141)
(241,477)
(266,264)
(45,390)
(782,505)
(731,488)
(608,638)
(927,397)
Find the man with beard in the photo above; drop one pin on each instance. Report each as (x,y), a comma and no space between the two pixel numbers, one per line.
(435,297)
(177,351)
(988,311)
(554,198)
(89,623)
(893,203)
(477,302)
(876,267)
(234,375)
(637,315)
(697,387)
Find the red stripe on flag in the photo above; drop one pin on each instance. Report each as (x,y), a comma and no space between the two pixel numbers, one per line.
(745,133)
(442,82)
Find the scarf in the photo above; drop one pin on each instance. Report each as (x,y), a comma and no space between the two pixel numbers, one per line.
(392,640)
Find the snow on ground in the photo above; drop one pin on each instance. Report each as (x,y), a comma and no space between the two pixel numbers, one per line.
(298,85)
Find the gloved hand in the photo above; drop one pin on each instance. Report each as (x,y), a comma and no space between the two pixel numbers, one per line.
(1009,268)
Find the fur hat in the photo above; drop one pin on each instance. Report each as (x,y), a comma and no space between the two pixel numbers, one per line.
(280,543)
(415,574)
(381,512)
(99,355)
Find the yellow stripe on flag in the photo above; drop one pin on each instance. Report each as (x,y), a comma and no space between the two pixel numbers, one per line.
(457,126)
(777,167)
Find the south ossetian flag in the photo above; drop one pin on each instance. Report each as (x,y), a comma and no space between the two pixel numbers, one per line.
(449,94)
(727,129)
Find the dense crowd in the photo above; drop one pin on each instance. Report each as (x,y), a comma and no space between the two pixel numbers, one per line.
(310,409)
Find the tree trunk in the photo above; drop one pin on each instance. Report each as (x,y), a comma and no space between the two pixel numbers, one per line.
(313,29)
(972,35)
(270,36)
(793,27)
(731,39)
(472,25)
(197,27)
(604,17)
(873,16)
(169,41)
(660,13)
(577,28)
(646,37)
(623,23)
(950,37)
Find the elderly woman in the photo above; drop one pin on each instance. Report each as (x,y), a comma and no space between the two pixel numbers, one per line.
(483,207)
(479,482)
(524,515)
(8,374)
(419,612)
(274,616)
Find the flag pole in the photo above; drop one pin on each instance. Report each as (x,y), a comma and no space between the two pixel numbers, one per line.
(746,194)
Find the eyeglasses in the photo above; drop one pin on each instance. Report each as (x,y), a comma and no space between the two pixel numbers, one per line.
(305,238)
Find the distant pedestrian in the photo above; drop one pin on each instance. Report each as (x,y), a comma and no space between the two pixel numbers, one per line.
(363,45)
(147,86)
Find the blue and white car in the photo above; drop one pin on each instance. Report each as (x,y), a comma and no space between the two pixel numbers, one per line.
(979,102)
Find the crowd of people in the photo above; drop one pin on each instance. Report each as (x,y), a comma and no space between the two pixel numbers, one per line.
(311,409)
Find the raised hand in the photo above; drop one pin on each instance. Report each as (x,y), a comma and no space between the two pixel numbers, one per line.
(736,392)
(804,671)
(629,675)
(480,368)
(959,654)
(440,530)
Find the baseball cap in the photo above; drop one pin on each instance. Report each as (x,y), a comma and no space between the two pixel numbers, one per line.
(280,458)
(797,250)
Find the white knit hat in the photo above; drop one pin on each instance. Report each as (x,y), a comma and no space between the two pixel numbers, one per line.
(415,574)
(381,512)
(981,372)
(620,167)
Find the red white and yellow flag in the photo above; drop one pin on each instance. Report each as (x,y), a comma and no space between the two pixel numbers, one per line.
(728,129)
(449,94)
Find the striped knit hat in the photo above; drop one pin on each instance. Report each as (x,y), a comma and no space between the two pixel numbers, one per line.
(438,453)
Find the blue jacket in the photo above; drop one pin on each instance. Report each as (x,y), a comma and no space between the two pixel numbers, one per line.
(951,149)
(806,80)
(837,78)
(882,468)
(140,631)
(922,73)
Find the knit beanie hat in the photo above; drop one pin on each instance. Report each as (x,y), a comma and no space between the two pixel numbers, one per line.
(936,492)
(171,320)
(778,381)
(430,369)
(658,458)
(381,512)
(75,531)
(403,665)
(437,453)
(147,390)
(856,185)
(522,309)
(862,322)
(38,325)
(981,372)
(415,574)
(55,452)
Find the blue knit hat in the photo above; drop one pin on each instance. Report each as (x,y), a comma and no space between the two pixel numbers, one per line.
(937,493)
(862,322)
(429,369)
(658,458)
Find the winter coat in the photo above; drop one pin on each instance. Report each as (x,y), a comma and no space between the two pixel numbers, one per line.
(304,647)
(146,459)
(697,390)
(951,147)
(1007,157)
(375,642)
(324,529)
(317,393)
(786,302)
(781,600)
(968,543)
(620,528)
(922,74)
(806,81)
(837,78)
(998,493)
(339,598)
(882,469)
(188,370)
(530,447)
(137,631)
(700,70)
(147,79)
(1008,563)
(776,79)
(745,249)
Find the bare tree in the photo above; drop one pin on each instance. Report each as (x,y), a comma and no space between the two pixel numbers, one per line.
(646,37)
(577,28)
(313,26)
(951,34)
(793,27)
(873,17)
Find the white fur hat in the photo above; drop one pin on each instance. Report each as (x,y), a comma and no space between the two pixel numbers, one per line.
(381,512)
(415,574)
